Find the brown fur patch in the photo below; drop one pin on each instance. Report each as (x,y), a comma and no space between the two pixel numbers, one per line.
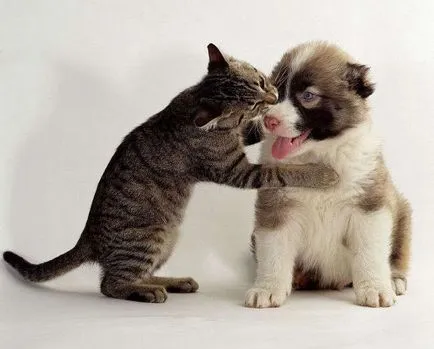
(378,189)
(310,279)
(380,192)
(305,279)
(328,70)
(400,256)
(272,209)
(327,67)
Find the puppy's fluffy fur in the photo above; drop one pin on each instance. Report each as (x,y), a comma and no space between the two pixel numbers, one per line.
(356,233)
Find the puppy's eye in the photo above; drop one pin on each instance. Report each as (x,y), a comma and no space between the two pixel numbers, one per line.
(309,96)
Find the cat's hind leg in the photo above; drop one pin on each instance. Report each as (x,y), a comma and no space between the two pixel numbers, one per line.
(130,262)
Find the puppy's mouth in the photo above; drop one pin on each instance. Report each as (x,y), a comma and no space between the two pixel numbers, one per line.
(283,146)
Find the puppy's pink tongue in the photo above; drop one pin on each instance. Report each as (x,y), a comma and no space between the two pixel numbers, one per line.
(281,147)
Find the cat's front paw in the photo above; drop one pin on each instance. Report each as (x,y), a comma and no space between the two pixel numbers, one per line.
(182,285)
(258,297)
(323,176)
(375,296)
(149,294)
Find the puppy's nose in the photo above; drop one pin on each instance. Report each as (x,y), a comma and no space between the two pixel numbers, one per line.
(271,122)
(270,98)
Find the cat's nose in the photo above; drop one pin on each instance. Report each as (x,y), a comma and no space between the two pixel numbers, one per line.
(271,96)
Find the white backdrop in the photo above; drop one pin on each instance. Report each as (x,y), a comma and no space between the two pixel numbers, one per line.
(76,76)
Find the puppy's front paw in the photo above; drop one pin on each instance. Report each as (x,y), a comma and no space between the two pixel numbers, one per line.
(375,296)
(265,298)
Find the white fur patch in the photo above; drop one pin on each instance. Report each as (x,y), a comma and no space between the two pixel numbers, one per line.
(369,236)
(287,114)
(399,286)
(275,252)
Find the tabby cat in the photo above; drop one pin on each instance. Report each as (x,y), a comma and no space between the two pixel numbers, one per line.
(140,200)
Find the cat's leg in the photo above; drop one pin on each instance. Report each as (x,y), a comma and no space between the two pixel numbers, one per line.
(369,238)
(401,240)
(239,173)
(265,176)
(175,285)
(151,290)
(276,251)
(131,261)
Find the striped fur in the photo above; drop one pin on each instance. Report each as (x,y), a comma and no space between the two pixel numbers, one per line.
(140,200)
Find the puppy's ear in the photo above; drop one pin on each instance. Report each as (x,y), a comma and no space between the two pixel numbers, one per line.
(216,58)
(207,112)
(358,78)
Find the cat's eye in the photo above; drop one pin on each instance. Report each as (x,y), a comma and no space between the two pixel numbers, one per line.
(262,83)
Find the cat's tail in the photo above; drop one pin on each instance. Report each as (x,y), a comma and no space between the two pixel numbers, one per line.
(51,269)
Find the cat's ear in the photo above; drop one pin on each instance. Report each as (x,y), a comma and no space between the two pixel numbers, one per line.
(358,78)
(207,113)
(216,58)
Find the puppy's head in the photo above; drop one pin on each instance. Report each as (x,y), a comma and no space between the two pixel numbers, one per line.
(322,93)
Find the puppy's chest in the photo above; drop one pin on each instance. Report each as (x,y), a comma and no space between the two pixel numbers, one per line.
(324,213)
(328,211)
(324,219)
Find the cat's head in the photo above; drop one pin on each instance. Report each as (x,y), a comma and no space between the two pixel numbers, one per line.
(232,92)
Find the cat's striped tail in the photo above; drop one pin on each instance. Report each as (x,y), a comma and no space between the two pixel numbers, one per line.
(51,269)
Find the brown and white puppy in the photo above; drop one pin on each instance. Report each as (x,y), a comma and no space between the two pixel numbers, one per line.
(355,233)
